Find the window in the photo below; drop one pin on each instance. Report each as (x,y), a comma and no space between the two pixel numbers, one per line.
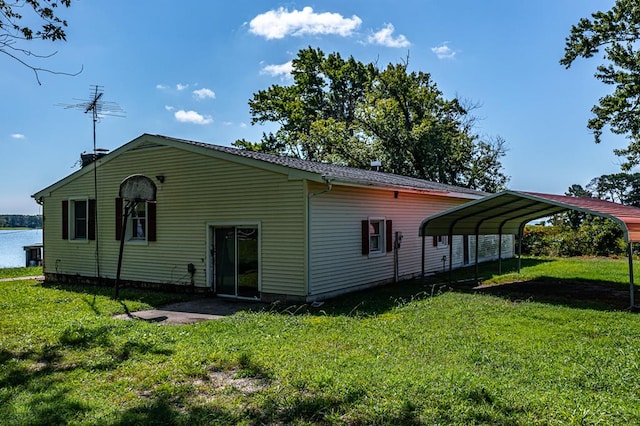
(440,241)
(141,223)
(78,219)
(376,236)
(138,222)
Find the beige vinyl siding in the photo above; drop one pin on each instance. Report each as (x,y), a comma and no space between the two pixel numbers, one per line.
(67,256)
(198,190)
(337,260)
(336,252)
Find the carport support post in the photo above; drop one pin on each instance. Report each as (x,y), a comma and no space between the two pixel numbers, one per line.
(520,232)
(631,284)
(476,256)
(450,257)
(423,237)
(500,253)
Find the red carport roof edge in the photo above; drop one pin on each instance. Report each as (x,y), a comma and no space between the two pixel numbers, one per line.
(506,211)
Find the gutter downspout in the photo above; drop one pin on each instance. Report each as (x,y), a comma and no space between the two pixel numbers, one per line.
(309,228)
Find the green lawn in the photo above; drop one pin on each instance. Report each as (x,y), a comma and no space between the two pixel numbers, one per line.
(405,354)
(20,272)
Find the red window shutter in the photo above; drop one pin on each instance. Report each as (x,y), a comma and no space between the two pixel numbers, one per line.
(151,221)
(118,219)
(389,236)
(365,237)
(65,220)
(92,219)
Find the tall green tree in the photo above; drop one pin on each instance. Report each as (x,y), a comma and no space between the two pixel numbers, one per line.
(317,113)
(586,234)
(616,32)
(622,188)
(24,21)
(346,112)
(417,128)
(573,218)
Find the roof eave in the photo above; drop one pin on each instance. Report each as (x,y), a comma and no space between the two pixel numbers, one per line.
(355,183)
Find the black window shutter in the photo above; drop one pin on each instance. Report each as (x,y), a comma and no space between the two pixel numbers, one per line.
(389,235)
(118,219)
(92,219)
(365,237)
(435,241)
(151,221)
(65,219)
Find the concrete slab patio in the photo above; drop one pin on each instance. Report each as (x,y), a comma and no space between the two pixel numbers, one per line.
(203,309)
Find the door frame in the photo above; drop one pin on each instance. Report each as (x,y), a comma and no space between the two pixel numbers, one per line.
(209,273)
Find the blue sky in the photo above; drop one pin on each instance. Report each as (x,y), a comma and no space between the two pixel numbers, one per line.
(187,70)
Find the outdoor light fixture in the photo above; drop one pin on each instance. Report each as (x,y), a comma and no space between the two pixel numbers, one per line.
(160,178)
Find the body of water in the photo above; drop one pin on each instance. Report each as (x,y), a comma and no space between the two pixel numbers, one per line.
(12,254)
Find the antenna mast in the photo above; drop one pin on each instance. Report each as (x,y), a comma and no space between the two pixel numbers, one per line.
(98,108)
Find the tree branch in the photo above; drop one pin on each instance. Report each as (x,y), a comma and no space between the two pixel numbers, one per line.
(35,69)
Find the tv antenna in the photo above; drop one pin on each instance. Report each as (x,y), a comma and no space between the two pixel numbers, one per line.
(98,107)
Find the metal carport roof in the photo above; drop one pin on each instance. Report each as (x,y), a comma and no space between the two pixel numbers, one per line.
(508,212)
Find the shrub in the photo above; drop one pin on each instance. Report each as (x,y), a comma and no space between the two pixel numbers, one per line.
(595,237)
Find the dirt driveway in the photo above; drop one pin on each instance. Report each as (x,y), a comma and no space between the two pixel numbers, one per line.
(569,293)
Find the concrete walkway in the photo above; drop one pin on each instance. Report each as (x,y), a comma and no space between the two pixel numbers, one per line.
(35,277)
(204,309)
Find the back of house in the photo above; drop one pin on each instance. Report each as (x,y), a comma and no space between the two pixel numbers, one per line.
(245,224)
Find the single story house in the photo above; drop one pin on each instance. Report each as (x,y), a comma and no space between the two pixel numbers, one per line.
(246,224)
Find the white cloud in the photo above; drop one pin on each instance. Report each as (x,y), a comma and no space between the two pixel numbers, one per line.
(277,24)
(282,70)
(18,136)
(243,125)
(385,37)
(169,107)
(192,117)
(181,87)
(204,93)
(162,86)
(443,52)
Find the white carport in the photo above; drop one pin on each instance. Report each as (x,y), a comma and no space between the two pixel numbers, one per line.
(507,212)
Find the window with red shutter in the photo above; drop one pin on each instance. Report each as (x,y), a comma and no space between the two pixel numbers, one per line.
(377,236)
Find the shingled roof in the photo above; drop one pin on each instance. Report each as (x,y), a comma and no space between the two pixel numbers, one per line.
(337,173)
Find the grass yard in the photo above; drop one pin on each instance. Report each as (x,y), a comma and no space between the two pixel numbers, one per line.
(413,354)
(20,272)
